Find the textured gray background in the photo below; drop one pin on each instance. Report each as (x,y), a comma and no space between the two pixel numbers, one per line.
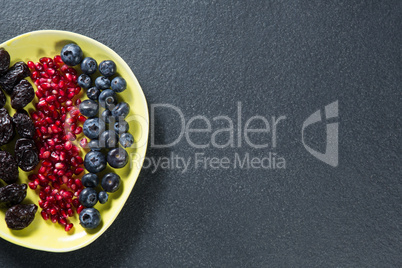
(278,58)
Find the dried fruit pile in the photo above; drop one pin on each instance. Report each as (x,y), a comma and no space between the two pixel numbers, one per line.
(12,81)
(57,124)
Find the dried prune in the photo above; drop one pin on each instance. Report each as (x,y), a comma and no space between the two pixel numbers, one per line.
(6,127)
(8,167)
(23,94)
(2,99)
(20,216)
(26,154)
(13,194)
(15,74)
(4,60)
(24,124)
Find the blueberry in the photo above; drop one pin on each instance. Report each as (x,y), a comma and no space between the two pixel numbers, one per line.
(107,116)
(111,182)
(93,93)
(108,139)
(103,197)
(102,82)
(89,108)
(126,140)
(121,126)
(107,99)
(93,127)
(94,145)
(90,180)
(90,218)
(84,81)
(88,65)
(121,110)
(88,197)
(117,158)
(107,68)
(71,54)
(118,84)
(95,161)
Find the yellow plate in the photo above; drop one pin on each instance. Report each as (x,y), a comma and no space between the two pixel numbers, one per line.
(48,236)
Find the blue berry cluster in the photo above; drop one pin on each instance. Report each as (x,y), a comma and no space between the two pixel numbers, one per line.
(106,131)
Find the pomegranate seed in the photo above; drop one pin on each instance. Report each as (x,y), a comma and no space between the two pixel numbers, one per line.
(45,216)
(41,202)
(54,218)
(42,195)
(50,71)
(31,65)
(79,159)
(68,227)
(32,177)
(67,194)
(75,202)
(77,193)
(82,118)
(80,208)
(63,221)
(38,66)
(68,145)
(52,178)
(60,165)
(32,185)
(64,213)
(53,211)
(84,143)
(56,185)
(57,59)
(50,199)
(70,212)
(78,130)
(77,172)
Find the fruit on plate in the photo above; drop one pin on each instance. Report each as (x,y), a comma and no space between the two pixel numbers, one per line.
(88,197)
(20,216)
(107,68)
(89,66)
(14,75)
(8,167)
(13,194)
(26,154)
(117,157)
(71,54)
(6,127)
(111,182)
(95,161)
(90,218)
(24,124)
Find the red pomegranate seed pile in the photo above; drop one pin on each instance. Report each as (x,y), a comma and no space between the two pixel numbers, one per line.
(57,123)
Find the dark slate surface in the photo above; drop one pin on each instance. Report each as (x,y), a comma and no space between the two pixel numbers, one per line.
(284,58)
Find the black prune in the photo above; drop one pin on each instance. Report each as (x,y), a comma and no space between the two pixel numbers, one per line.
(13,194)
(24,124)
(8,167)
(15,74)
(6,127)
(2,99)
(26,154)
(23,93)
(20,216)
(4,61)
